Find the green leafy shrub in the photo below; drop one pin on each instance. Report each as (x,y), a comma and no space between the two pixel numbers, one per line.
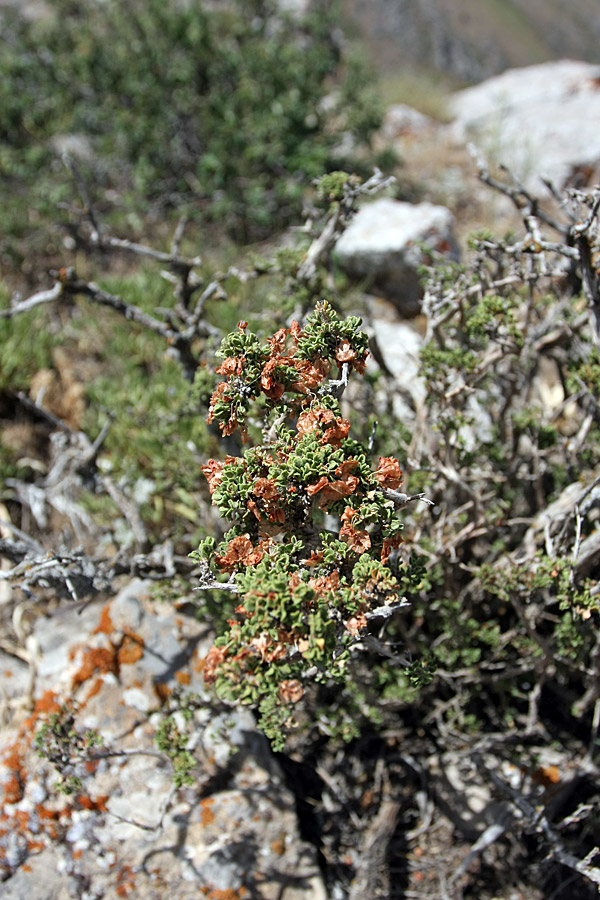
(314,525)
(223,104)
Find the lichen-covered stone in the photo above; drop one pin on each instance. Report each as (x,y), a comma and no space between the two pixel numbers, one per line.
(128,832)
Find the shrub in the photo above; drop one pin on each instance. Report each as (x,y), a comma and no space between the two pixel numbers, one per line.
(315,526)
(501,634)
(225,105)
(509,452)
(498,578)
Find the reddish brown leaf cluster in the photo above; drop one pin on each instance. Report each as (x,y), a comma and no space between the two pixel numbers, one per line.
(357,539)
(388,472)
(241,550)
(221,391)
(333,428)
(271,386)
(390,544)
(262,646)
(267,505)
(323,585)
(268,649)
(291,691)
(274,378)
(212,661)
(233,365)
(266,488)
(356,624)
(332,490)
(283,347)
(310,375)
(345,354)
(213,471)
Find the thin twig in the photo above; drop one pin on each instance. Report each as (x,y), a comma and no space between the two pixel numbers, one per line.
(37,299)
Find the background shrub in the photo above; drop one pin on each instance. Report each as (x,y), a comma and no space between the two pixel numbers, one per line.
(236,106)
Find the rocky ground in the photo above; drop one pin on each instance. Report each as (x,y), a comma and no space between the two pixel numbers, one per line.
(393,819)
(125,830)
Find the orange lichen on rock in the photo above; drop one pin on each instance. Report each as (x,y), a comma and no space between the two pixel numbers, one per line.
(13,789)
(98,804)
(183,677)
(36,826)
(14,786)
(207,816)
(47,822)
(162,691)
(35,846)
(105,625)
(198,661)
(43,813)
(47,704)
(131,649)
(224,893)
(99,659)
(95,688)
(20,818)
(126,881)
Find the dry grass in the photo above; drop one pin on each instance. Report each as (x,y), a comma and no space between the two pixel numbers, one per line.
(437,169)
(425,91)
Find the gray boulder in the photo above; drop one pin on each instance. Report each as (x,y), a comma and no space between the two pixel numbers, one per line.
(387,242)
(539,121)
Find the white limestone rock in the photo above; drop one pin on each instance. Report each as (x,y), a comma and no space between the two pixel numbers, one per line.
(384,247)
(540,121)
(397,345)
